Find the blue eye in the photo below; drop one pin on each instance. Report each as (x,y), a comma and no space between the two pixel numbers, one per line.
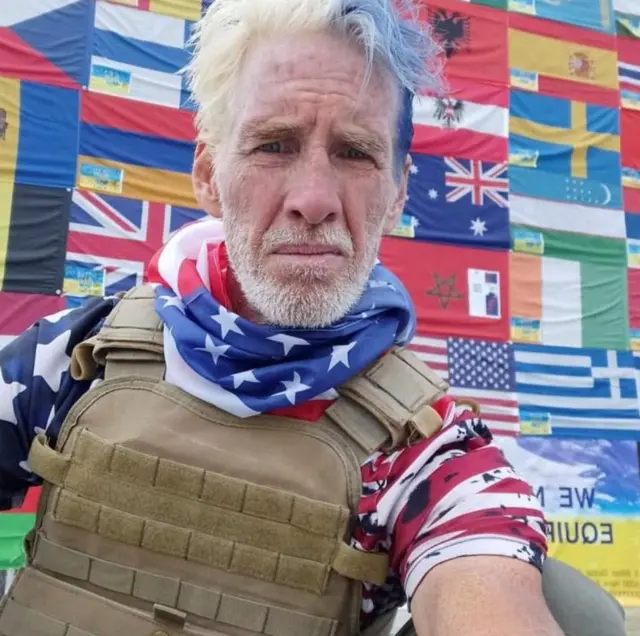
(272,147)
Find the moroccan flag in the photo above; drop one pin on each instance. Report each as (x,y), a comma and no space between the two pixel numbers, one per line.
(185,9)
(457,291)
(38,133)
(33,234)
(473,38)
(562,60)
(141,151)
(45,40)
(568,289)
(14,526)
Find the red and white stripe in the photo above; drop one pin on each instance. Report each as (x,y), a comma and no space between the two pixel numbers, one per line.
(482,132)
(499,408)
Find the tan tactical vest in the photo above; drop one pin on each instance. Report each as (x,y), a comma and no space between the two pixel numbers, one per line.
(163,515)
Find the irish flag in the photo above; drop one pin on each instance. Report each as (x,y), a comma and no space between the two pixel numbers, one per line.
(14,526)
(568,289)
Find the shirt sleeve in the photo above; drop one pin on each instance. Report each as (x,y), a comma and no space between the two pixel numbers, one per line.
(36,387)
(454,495)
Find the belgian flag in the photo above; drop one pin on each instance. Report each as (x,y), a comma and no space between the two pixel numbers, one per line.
(38,153)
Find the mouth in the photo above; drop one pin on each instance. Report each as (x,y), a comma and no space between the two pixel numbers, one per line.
(307,250)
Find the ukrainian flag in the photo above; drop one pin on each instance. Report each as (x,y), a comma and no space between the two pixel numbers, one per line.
(564,137)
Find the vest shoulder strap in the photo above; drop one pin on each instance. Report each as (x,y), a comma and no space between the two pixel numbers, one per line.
(389,404)
(129,343)
(385,406)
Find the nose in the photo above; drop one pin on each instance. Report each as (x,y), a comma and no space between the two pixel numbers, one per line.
(313,190)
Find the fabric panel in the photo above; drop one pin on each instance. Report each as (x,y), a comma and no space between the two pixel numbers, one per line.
(46,41)
(35,252)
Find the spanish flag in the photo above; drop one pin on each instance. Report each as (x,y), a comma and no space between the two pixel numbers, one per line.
(563,61)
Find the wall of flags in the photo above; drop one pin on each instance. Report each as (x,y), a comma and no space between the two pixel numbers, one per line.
(520,242)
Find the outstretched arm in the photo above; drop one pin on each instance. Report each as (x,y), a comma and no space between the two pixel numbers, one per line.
(482,596)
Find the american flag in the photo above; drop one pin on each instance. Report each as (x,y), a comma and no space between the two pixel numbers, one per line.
(476,369)
(468,177)
(120,235)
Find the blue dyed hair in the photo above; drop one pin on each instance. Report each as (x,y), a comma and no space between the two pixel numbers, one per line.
(390,33)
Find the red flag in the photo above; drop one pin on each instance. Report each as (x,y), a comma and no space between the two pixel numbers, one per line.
(631,199)
(563,61)
(634,298)
(629,138)
(19,311)
(628,64)
(473,39)
(470,122)
(457,291)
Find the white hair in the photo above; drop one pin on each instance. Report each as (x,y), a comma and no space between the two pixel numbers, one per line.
(386,29)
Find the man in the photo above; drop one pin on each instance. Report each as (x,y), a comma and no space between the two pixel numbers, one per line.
(261,456)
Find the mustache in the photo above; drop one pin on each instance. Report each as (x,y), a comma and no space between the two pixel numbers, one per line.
(332,237)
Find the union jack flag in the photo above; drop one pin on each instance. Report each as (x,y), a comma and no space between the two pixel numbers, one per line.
(469,177)
(118,236)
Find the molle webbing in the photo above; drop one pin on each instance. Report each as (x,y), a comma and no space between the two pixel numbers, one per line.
(389,404)
(199,515)
(175,600)
(130,341)
(41,605)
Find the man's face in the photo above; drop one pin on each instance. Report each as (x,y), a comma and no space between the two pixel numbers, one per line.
(305,178)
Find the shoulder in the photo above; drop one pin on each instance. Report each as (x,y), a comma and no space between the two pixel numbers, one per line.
(56,334)
(36,387)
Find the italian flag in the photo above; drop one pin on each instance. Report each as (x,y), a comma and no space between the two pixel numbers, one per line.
(14,526)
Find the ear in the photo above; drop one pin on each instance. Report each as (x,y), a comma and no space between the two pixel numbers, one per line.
(202,177)
(401,197)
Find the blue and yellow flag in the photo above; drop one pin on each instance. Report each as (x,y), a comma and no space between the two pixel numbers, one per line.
(39,132)
(567,138)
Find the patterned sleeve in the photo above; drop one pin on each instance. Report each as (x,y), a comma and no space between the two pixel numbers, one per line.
(449,496)
(36,388)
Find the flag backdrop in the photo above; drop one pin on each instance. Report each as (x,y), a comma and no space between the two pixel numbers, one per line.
(519,243)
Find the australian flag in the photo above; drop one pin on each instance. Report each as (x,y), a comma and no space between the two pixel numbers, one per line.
(460,201)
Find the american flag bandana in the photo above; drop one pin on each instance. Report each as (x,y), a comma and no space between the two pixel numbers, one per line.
(245,368)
